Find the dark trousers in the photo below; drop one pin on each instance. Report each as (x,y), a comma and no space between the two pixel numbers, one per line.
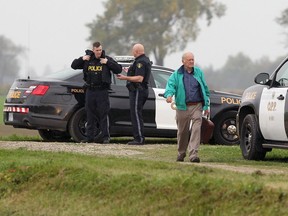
(138,98)
(97,107)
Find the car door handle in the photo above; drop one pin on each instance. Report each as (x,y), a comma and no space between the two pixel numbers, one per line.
(280,97)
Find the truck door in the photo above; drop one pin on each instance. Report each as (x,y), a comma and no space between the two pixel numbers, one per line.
(272,113)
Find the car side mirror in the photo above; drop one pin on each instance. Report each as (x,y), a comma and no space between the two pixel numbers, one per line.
(262,78)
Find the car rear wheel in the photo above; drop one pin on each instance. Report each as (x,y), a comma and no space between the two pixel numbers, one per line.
(54,135)
(77,125)
(225,129)
(251,139)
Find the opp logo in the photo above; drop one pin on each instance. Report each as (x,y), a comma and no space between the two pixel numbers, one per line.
(230,100)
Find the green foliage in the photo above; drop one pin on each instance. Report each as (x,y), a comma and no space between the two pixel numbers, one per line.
(45,183)
(162,26)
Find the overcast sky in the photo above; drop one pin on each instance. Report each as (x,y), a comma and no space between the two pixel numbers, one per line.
(54,31)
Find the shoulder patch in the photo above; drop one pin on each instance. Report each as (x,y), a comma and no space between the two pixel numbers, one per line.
(139,65)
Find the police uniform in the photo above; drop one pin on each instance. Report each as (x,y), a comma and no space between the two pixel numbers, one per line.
(97,79)
(138,94)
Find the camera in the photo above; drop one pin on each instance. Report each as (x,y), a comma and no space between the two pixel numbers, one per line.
(90,53)
(103,54)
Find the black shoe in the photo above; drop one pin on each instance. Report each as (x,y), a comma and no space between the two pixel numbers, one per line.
(106,141)
(195,160)
(87,141)
(98,140)
(135,142)
(180,158)
(102,140)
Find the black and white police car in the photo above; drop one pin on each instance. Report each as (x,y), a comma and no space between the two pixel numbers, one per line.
(262,117)
(54,105)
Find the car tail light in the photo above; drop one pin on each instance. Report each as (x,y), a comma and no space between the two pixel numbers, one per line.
(16,109)
(40,90)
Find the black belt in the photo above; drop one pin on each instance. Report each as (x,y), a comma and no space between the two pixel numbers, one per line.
(96,86)
(133,86)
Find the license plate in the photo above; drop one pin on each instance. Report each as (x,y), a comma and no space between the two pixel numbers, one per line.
(14,94)
(10,117)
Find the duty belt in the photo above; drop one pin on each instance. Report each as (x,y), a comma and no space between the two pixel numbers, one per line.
(96,86)
(133,86)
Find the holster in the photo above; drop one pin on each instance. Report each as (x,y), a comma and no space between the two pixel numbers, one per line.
(131,87)
(85,86)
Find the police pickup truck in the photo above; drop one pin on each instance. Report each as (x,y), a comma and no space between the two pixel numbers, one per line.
(262,118)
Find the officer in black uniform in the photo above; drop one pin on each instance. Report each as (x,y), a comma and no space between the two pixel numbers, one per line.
(137,83)
(97,76)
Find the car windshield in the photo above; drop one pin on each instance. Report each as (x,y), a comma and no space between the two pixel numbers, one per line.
(62,75)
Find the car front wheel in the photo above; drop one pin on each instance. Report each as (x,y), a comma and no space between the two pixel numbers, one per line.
(251,139)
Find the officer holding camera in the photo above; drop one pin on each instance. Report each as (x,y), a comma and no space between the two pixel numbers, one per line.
(97,69)
(137,83)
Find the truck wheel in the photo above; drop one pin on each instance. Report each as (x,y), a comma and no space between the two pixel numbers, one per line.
(54,135)
(225,129)
(251,139)
(77,125)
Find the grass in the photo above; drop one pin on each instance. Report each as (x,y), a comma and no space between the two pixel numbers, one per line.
(2,99)
(151,183)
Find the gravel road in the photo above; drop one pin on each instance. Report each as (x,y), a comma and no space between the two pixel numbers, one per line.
(89,149)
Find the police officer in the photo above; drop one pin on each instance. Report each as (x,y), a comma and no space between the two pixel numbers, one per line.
(97,76)
(137,83)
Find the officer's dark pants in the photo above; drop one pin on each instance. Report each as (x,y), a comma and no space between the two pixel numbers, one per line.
(97,107)
(138,98)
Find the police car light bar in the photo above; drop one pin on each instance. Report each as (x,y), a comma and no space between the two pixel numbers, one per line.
(124,58)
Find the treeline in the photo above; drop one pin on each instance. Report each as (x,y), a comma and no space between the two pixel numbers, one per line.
(239,72)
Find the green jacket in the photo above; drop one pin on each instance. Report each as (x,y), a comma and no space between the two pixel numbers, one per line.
(175,86)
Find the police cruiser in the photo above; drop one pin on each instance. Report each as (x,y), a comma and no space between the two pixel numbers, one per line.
(54,105)
(262,118)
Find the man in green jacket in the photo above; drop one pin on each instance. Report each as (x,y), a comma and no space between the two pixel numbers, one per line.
(191,93)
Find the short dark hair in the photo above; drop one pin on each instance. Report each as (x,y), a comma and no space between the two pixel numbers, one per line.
(96,44)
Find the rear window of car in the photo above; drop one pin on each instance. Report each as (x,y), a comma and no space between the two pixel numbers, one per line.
(62,75)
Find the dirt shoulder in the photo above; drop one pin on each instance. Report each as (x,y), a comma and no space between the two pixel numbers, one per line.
(6,130)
